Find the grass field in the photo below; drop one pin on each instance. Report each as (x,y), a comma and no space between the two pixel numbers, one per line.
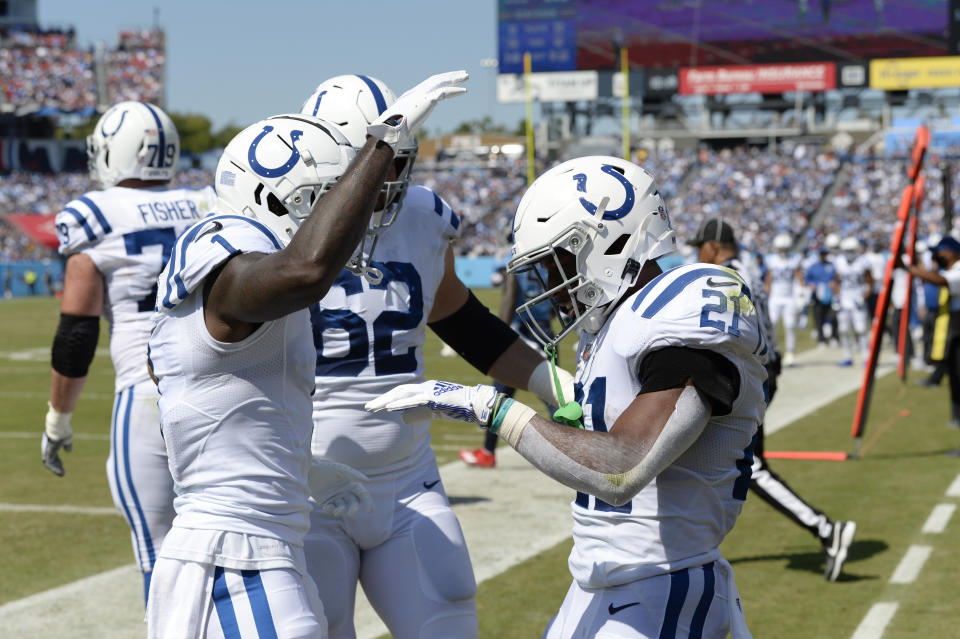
(890,492)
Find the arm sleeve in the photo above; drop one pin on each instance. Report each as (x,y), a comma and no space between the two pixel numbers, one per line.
(712,374)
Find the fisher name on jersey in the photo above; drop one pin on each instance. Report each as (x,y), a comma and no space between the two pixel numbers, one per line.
(128,233)
(236,416)
(369,338)
(679,519)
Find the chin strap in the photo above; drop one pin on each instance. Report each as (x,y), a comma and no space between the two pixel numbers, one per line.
(570,412)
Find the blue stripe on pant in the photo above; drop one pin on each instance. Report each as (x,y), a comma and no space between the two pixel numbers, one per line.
(224,605)
(679,587)
(259,604)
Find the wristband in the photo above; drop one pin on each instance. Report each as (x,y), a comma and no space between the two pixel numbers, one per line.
(511,418)
(57,425)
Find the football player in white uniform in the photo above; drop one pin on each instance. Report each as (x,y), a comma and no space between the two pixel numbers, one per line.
(854,283)
(409,553)
(233,354)
(116,241)
(784,278)
(717,244)
(670,375)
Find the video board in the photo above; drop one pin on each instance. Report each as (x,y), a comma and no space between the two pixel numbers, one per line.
(566,35)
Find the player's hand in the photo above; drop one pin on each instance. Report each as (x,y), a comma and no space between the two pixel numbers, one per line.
(339,489)
(440,400)
(57,434)
(400,122)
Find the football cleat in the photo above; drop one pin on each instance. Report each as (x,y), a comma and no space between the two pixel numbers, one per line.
(845,363)
(788,359)
(836,547)
(481,458)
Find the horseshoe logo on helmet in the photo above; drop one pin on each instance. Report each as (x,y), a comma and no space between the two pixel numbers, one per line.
(284,168)
(103,129)
(617,213)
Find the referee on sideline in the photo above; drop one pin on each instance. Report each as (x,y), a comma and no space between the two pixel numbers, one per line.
(947,256)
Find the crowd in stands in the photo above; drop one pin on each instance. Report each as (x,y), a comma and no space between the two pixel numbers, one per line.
(62,78)
(866,207)
(45,69)
(760,192)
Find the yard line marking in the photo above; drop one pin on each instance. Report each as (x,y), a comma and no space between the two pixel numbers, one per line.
(447,447)
(876,620)
(67,510)
(910,566)
(954,490)
(25,435)
(939,518)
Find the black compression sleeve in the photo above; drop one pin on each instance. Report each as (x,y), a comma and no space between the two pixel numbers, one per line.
(75,344)
(712,374)
(478,336)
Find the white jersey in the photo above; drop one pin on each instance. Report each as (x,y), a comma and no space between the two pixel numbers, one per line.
(128,233)
(235,416)
(853,284)
(369,338)
(783,275)
(679,519)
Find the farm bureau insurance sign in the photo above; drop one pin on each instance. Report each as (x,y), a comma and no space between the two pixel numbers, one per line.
(758,78)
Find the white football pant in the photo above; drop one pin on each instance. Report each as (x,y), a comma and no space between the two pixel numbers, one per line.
(190,599)
(137,470)
(409,554)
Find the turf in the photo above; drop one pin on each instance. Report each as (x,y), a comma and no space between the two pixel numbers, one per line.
(890,491)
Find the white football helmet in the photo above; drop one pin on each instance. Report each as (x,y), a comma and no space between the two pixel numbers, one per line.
(605,211)
(832,242)
(276,169)
(133,140)
(782,242)
(353,102)
(850,245)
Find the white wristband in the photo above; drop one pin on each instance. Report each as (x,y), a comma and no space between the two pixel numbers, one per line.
(57,424)
(513,421)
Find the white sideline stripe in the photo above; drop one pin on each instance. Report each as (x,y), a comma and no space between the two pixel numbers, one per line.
(876,620)
(26,435)
(910,566)
(69,510)
(939,518)
(954,490)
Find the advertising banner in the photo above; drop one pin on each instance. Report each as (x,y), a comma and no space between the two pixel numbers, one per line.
(758,78)
(900,74)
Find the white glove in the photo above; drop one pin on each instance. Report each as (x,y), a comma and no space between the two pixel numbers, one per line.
(339,489)
(400,122)
(57,434)
(440,400)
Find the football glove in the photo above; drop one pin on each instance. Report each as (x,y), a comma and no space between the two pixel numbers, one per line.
(399,124)
(440,400)
(338,489)
(57,434)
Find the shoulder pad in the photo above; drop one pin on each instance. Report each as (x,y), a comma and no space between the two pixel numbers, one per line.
(422,199)
(81,223)
(668,286)
(205,246)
